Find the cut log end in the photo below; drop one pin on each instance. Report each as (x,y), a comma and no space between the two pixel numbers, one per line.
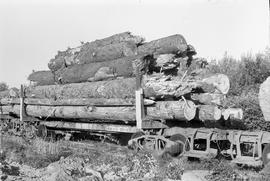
(190,110)
(220,81)
(233,113)
(209,112)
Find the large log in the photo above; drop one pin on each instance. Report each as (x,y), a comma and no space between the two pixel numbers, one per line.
(118,88)
(156,86)
(123,67)
(75,102)
(264,98)
(85,52)
(99,54)
(42,78)
(109,52)
(175,44)
(165,110)
(97,71)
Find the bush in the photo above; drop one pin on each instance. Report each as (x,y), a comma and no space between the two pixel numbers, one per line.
(253,117)
(37,154)
(245,75)
(3,86)
(248,71)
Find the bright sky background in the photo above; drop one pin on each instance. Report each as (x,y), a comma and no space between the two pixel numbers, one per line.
(31,31)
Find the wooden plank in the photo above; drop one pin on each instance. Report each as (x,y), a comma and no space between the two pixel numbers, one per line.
(91,126)
(139,109)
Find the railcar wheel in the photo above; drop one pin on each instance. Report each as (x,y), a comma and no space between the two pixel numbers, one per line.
(266,154)
(179,148)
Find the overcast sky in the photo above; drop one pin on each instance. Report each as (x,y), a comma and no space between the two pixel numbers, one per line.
(32,31)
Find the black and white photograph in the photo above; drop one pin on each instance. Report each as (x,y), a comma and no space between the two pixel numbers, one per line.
(134,90)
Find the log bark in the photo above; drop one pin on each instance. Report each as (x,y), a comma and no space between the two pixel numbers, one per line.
(118,88)
(75,102)
(84,53)
(154,86)
(209,113)
(123,67)
(264,98)
(165,110)
(109,52)
(160,86)
(99,54)
(233,113)
(42,78)
(195,67)
(175,44)
(221,82)
(166,62)
(97,71)
(209,98)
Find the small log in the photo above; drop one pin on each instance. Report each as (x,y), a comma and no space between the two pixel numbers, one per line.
(264,98)
(209,98)
(75,102)
(175,44)
(233,113)
(42,78)
(165,110)
(209,113)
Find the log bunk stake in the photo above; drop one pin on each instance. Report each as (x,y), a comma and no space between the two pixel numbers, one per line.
(140,114)
(22,105)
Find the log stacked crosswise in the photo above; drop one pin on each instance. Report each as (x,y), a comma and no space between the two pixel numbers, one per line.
(97,81)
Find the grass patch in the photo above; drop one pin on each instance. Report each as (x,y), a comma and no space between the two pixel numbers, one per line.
(37,154)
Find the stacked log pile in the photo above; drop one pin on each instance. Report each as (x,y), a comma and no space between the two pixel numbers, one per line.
(98,80)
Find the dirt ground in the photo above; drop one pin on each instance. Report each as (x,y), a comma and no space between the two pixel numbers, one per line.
(97,161)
